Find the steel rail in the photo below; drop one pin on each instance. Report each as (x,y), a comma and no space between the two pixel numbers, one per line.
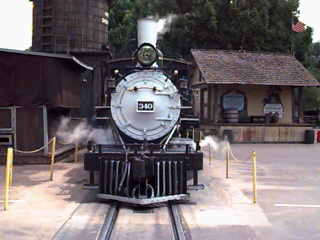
(176,222)
(111,218)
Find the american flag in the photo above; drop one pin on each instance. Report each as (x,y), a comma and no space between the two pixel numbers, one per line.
(298,27)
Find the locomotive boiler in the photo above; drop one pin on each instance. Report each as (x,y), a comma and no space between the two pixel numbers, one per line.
(150,109)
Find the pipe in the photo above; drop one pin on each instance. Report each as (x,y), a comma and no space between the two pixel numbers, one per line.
(169,137)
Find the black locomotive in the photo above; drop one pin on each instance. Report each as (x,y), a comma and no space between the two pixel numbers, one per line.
(150,110)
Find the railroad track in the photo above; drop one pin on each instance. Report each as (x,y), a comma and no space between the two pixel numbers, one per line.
(176,222)
(147,223)
(109,222)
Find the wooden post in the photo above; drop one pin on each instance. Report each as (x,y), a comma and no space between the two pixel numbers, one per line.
(300,104)
(293,108)
(210,110)
(215,104)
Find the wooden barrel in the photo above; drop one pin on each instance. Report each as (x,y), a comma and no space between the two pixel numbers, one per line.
(309,137)
(228,135)
(231,115)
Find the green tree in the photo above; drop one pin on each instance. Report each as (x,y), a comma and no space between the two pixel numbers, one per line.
(253,25)
(123,18)
(312,62)
(196,29)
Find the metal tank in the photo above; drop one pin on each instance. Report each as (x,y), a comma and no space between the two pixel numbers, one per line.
(69,25)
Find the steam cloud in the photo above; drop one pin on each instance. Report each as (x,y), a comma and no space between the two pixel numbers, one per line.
(163,24)
(217,145)
(209,141)
(82,133)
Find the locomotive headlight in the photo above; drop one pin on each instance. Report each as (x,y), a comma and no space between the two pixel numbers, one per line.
(147,54)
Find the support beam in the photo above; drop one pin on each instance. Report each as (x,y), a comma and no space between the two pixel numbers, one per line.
(215,104)
(293,108)
(300,104)
(209,103)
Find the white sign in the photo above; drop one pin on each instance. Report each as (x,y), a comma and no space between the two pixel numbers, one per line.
(273,108)
(233,100)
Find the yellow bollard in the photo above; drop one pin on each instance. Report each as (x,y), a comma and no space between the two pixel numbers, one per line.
(227,159)
(52,157)
(210,158)
(254,165)
(201,135)
(6,193)
(193,134)
(11,168)
(76,153)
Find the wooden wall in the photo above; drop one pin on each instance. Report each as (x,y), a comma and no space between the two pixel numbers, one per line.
(255,96)
(263,133)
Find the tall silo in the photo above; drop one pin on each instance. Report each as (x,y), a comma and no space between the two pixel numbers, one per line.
(69,25)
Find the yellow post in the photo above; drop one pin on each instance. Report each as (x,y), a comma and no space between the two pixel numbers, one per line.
(193,134)
(11,167)
(52,157)
(227,160)
(201,135)
(6,193)
(76,153)
(210,158)
(254,163)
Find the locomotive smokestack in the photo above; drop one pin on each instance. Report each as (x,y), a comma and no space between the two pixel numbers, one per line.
(147,31)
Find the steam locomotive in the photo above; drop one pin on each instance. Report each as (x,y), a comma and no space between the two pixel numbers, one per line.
(150,110)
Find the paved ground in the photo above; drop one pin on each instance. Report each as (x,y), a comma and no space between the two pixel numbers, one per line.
(38,208)
(288,194)
(288,198)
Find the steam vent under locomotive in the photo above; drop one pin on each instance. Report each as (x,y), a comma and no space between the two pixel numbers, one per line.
(150,109)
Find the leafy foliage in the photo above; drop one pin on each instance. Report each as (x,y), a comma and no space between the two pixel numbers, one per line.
(123,18)
(253,25)
(312,62)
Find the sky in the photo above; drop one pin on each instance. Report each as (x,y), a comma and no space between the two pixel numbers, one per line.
(16,22)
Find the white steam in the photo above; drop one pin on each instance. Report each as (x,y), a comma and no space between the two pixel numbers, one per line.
(163,24)
(216,144)
(209,141)
(82,133)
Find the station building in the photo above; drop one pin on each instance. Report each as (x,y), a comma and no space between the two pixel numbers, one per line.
(250,96)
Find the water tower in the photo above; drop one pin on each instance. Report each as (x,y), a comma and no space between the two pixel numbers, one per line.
(76,26)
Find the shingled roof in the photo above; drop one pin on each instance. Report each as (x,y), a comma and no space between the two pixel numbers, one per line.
(258,68)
